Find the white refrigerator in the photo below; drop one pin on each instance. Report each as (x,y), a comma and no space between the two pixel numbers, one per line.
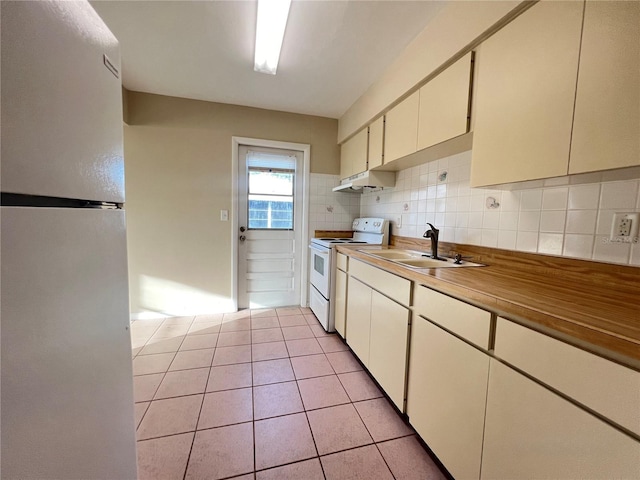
(66,385)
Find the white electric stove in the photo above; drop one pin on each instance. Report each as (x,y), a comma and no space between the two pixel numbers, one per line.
(366,231)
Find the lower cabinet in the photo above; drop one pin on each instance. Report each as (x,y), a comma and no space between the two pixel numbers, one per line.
(341,303)
(531,432)
(491,398)
(446,398)
(377,332)
(359,319)
(388,346)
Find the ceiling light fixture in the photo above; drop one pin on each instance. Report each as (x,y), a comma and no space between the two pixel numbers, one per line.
(272,21)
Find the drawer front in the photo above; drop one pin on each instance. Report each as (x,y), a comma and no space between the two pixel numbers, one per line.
(394,287)
(343,262)
(604,386)
(471,323)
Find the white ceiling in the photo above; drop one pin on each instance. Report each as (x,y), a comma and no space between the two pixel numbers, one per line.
(332,52)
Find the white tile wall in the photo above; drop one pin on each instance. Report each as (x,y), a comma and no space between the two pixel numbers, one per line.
(552,216)
(330,210)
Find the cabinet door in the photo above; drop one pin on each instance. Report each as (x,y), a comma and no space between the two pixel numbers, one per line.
(606,126)
(388,346)
(353,154)
(345,161)
(531,432)
(401,129)
(525,96)
(359,319)
(444,105)
(341,303)
(376,139)
(447,395)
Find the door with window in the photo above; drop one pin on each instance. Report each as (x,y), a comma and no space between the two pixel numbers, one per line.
(269,232)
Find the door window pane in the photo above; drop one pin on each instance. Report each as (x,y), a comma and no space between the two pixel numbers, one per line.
(270,198)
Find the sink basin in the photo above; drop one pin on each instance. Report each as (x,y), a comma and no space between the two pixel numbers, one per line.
(395,254)
(416,259)
(426,263)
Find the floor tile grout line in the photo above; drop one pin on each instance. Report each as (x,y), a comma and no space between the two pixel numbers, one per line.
(252,362)
(371,435)
(287,464)
(385,461)
(348,449)
(162,380)
(315,445)
(186,468)
(147,341)
(253,412)
(412,434)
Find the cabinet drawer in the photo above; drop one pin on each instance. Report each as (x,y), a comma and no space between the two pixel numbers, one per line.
(471,323)
(397,288)
(604,386)
(343,262)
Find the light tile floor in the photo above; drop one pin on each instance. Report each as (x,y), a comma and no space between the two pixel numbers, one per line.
(262,394)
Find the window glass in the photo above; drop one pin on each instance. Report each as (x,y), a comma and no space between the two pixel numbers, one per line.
(270,198)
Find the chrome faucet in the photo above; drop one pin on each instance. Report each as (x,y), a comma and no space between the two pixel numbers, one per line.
(433,233)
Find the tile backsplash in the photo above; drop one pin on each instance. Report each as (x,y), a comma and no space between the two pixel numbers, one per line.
(329,210)
(555,216)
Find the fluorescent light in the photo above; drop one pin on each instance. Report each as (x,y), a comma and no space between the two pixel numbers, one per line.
(272,21)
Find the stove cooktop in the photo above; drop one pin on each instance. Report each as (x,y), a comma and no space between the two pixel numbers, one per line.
(339,240)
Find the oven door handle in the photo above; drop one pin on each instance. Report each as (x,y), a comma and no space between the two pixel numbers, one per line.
(318,251)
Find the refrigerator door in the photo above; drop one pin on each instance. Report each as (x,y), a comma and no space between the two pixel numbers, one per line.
(61,105)
(67,385)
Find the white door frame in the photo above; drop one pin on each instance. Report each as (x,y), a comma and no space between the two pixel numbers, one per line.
(306,160)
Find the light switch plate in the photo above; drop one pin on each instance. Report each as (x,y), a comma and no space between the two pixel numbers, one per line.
(224,215)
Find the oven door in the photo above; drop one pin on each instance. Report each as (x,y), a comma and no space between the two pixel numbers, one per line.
(321,269)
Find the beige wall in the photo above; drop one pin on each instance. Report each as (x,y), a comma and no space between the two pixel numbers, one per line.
(178,178)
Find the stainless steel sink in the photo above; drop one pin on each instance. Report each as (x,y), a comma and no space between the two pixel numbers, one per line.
(417,260)
(395,254)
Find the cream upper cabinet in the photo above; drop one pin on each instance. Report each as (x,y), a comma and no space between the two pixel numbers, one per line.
(401,129)
(353,154)
(376,143)
(526,86)
(530,432)
(446,396)
(606,129)
(444,104)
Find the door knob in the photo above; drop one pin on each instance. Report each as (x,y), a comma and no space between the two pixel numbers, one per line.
(242,229)
(242,238)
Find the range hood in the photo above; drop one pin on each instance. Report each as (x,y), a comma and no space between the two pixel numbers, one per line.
(366,180)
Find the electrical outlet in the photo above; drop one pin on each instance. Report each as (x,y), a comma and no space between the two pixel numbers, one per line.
(624,227)
(399,221)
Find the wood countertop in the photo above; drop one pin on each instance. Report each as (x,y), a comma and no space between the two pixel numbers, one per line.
(592,305)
